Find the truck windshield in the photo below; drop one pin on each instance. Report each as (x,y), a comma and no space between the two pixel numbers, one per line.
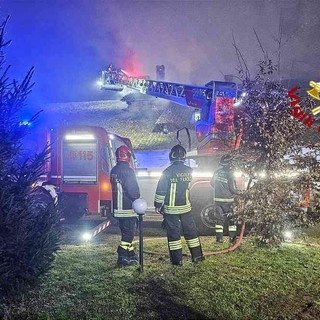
(114,144)
(79,162)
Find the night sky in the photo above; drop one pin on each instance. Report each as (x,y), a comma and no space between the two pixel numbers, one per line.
(70,41)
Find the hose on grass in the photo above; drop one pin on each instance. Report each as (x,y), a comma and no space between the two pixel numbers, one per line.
(206,254)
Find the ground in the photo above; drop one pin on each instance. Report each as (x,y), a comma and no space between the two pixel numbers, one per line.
(250,283)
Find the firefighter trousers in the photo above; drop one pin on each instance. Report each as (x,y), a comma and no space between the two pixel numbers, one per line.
(127,228)
(223,213)
(174,223)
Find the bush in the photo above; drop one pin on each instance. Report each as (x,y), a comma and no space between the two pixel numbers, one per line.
(275,156)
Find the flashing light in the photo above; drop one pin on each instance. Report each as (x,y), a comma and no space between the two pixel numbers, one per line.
(237,174)
(25,123)
(111,136)
(288,235)
(200,174)
(99,83)
(79,137)
(86,236)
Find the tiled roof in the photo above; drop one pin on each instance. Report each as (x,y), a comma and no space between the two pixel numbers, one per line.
(140,122)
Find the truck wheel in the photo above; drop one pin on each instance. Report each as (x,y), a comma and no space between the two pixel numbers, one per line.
(201,198)
(207,216)
(202,218)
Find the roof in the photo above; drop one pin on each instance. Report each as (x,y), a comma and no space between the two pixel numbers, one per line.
(150,124)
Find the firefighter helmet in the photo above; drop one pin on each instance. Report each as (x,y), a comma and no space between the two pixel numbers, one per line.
(123,153)
(226,160)
(177,153)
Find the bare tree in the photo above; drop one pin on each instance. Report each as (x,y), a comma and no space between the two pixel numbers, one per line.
(282,165)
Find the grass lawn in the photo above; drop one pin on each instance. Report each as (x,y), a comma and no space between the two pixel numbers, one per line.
(250,283)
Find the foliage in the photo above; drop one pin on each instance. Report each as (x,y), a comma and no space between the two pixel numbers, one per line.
(281,283)
(28,226)
(281,166)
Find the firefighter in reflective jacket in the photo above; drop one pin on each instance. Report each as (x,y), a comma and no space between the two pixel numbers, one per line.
(125,190)
(224,192)
(172,200)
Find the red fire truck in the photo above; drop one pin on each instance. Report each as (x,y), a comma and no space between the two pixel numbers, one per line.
(215,127)
(79,168)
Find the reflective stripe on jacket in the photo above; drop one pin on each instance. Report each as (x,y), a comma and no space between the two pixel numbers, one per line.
(172,193)
(125,190)
(224,185)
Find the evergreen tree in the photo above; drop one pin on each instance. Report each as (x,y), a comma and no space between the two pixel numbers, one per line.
(29,233)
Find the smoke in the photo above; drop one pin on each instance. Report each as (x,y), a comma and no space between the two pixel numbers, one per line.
(193,39)
(70,42)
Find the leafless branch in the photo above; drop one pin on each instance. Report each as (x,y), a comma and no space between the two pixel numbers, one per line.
(258,39)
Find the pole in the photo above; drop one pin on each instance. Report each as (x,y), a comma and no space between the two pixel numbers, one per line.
(140,206)
(141,242)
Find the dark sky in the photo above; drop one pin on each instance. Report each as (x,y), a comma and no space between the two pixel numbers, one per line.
(71,41)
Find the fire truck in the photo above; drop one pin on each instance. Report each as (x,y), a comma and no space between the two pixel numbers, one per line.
(77,173)
(215,128)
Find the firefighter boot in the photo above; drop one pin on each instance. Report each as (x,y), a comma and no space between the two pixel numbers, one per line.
(177,263)
(232,233)
(232,239)
(132,255)
(176,257)
(123,258)
(219,238)
(195,249)
(219,233)
(198,259)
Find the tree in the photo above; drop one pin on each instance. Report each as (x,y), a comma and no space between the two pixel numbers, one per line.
(281,164)
(29,233)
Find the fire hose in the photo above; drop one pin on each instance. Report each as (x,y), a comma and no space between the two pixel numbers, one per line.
(206,254)
(211,253)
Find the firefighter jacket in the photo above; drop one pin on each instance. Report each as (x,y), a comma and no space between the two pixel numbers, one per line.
(125,190)
(224,185)
(172,193)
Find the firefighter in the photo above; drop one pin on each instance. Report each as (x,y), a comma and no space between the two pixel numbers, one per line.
(224,192)
(172,200)
(125,190)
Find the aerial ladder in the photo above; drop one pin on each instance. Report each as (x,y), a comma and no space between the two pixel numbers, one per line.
(215,129)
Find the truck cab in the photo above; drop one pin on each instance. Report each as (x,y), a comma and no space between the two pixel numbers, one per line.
(79,165)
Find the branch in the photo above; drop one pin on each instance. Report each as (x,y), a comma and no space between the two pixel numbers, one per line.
(241,60)
(259,42)
(2,30)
